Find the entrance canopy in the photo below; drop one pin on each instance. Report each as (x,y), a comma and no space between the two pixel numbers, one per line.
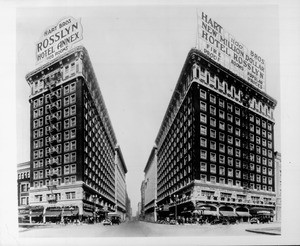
(243,214)
(54,213)
(36,213)
(228,213)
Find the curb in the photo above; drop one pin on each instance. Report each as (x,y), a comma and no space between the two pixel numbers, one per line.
(263,232)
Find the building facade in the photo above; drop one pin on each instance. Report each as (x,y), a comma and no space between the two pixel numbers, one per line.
(120,193)
(142,212)
(72,166)
(150,186)
(23,182)
(278,185)
(215,147)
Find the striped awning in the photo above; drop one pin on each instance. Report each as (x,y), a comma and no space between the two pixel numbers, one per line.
(228,213)
(87,214)
(243,214)
(36,213)
(208,212)
(54,213)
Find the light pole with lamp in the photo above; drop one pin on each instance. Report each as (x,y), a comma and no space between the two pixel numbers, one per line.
(94,197)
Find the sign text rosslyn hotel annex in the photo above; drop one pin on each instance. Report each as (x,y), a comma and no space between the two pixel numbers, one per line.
(58,39)
(223,48)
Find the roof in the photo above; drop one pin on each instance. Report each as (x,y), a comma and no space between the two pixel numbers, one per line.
(118,149)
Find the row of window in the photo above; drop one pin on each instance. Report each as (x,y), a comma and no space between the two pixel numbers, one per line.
(24,175)
(230,172)
(57,181)
(68,196)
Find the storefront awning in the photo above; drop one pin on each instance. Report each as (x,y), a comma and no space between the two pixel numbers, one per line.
(208,212)
(50,213)
(243,214)
(87,214)
(264,212)
(36,213)
(228,213)
(70,213)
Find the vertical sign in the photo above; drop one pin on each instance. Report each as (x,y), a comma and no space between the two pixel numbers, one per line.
(223,48)
(58,39)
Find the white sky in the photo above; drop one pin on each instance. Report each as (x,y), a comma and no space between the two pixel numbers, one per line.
(137,54)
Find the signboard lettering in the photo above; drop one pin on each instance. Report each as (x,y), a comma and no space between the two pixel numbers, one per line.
(219,45)
(58,39)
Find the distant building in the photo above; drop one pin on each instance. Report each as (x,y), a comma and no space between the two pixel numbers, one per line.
(23,170)
(120,186)
(278,185)
(139,211)
(150,187)
(142,214)
(128,208)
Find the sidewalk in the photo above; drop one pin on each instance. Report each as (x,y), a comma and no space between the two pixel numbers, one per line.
(266,230)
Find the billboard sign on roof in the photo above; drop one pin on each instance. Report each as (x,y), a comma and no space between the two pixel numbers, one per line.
(215,42)
(58,39)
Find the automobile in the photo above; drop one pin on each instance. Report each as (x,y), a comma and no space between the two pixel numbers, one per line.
(254,221)
(216,221)
(115,220)
(107,222)
(173,222)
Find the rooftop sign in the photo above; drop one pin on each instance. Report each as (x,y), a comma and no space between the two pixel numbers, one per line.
(58,39)
(223,48)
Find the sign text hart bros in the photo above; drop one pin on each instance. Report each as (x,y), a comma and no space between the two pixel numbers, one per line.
(223,48)
(58,39)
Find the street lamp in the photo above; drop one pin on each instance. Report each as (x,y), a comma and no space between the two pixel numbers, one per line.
(175,199)
(94,197)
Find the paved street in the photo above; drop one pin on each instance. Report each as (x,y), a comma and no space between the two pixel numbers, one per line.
(144,229)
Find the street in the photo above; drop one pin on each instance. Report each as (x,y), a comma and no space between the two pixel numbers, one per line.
(144,229)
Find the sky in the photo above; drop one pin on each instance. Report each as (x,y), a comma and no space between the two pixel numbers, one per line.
(137,53)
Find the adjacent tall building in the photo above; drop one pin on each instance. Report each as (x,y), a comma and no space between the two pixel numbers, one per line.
(76,167)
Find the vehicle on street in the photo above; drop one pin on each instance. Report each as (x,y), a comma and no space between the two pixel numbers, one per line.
(254,221)
(115,220)
(173,222)
(107,222)
(216,221)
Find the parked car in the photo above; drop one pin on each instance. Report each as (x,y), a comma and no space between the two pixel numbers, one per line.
(172,222)
(115,220)
(254,221)
(107,222)
(216,221)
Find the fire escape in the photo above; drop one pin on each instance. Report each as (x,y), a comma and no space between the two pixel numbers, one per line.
(53,152)
(245,140)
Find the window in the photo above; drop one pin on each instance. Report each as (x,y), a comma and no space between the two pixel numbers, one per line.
(230,172)
(237,173)
(258,168)
(70,195)
(212,110)
(203,106)
(221,103)
(203,177)
(229,117)
(203,166)
(258,130)
(213,179)
(230,161)
(238,153)
(269,144)
(212,121)
(230,139)
(264,170)
(203,130)
(237,111)
(221,171)
(203,142)
(251,118)
(270,135)
(230,128)
(203,118)
(221,114)
(213,157)
(230,150)
(229,107)
(203,94)
(212,133)
(269,126)
(264,124)
(212,99)
(230,182)
(237,132)
(222,125)
(221,136)
(203,154)
(222,148)
(222,159)
(213,168)
(221,180)
(213,145)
